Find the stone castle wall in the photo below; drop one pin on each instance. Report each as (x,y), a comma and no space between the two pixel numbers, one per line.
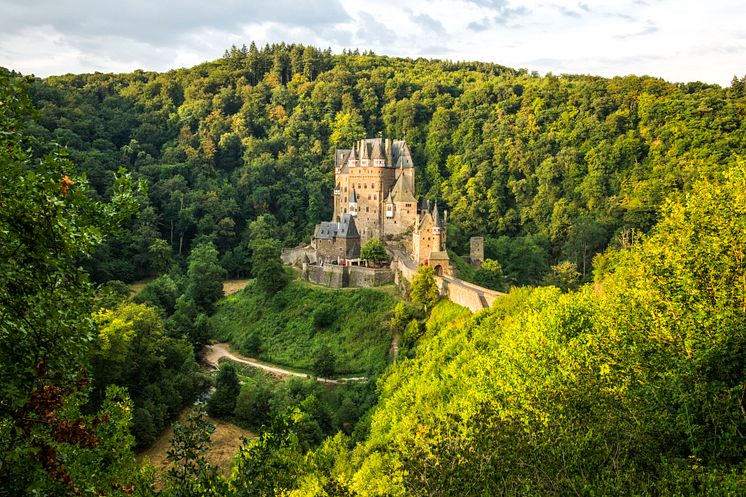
(471,296)
(294,256)
(330,275)
(348,276)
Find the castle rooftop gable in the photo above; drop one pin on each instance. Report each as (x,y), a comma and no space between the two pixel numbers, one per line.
(326,230)
(347,227)
(400,192)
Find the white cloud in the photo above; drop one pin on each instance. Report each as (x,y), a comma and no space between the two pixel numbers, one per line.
(677,40)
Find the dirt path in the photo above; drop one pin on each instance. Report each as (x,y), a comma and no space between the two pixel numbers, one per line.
(213,353)
(232,286)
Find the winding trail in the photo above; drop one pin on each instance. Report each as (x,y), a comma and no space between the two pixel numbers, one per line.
(212,354)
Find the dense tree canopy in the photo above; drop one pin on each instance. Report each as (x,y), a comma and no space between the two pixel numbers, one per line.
(548,168)
(49,220)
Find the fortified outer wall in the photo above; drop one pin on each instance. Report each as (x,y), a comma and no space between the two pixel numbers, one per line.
(364,277)
(294,256)
(331,276)
(461,292)
(471,296)
(467,294)
(348,276)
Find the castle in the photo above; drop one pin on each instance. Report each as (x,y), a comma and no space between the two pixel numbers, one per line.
(374,196)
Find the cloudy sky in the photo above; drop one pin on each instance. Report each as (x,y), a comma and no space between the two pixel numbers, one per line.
(679,40)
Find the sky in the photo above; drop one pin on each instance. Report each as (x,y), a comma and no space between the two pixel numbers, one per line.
(678,40)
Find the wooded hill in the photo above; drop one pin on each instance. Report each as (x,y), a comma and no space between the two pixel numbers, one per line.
(563,165)
(631,385)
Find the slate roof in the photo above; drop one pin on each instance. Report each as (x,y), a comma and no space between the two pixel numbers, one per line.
(347,228)
(344,229)
(400,192)
(438,256)
(325,230)
(395,152)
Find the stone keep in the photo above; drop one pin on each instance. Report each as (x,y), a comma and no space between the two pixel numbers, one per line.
(374,181)
(476,251)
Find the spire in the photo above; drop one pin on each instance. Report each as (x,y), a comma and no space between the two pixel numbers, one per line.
(377,150)
(437,227)
(353,203)
(364,150)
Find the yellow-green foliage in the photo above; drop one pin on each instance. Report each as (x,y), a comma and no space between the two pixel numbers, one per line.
(633,386)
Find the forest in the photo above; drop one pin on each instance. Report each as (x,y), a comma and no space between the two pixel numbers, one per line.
(549,169)
(613,211)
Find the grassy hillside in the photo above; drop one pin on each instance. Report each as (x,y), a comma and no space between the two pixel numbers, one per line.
(291,327)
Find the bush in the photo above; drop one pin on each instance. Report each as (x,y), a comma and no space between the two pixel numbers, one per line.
(324,315)
(374,251)
(325,362)
(223,401)
(253,402)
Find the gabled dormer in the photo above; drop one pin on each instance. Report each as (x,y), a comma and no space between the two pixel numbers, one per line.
(353,160)
(378,156)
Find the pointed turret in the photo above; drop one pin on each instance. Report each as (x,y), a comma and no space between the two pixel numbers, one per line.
(390,206)
(353,203)
(389,152)
(353,157)
(364,154)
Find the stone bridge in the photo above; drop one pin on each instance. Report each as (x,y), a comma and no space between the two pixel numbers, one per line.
(461,292)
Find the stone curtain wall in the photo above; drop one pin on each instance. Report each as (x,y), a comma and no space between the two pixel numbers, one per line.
(363,277)
(471,296)
(348,276)
(294,256)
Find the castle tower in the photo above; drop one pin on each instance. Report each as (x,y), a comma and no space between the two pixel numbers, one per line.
(381,174)
(436,229)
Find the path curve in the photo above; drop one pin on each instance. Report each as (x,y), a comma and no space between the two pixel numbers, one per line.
(212,354)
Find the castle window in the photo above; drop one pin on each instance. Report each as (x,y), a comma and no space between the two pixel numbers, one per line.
(367,209)
(368,197)
(345,210)
(372,185)
(345,199)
